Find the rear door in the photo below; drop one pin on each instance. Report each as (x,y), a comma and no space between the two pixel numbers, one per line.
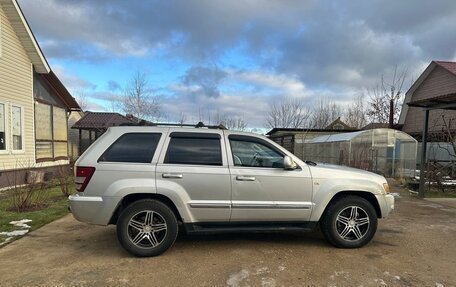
(194,167)
(262,190)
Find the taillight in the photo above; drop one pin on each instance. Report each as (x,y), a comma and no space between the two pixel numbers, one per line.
(83,175)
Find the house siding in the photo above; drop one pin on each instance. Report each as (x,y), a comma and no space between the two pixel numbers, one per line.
(16,88)
(439,82)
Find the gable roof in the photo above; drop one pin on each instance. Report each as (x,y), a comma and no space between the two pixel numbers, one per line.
(17,20)
(336,122)
(60,91)
(447,65)
(373,125)
(102,120)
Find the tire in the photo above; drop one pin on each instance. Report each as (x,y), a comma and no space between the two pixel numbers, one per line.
(147,228)
(349,222)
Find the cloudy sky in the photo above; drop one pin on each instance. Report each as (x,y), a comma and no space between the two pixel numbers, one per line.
(237,57)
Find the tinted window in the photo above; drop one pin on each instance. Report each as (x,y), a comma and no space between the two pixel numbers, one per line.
(200,151)
(133,147)
(255,154)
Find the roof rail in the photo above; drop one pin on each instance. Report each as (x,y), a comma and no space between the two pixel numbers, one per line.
(198,125)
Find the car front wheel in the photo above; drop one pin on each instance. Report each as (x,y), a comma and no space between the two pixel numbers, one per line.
(147,228)
(350,222)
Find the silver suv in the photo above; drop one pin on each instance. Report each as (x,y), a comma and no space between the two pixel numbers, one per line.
(150,180)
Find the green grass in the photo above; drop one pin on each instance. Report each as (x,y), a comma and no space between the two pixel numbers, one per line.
(56,207)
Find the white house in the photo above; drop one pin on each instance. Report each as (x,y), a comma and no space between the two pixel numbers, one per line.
(34,104)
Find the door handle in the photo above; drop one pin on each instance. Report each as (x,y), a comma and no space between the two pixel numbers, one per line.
(245,178)
(172,175)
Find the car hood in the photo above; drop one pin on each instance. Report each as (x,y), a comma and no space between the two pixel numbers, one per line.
(322,170)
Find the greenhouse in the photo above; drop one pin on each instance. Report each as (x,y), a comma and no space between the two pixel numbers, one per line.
(384,151)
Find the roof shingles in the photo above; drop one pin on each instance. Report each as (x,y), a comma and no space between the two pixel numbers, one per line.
(102,120)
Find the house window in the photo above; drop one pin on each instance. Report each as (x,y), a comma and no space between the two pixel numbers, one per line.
(16,120)
(51,132)
(60,133)
(2,127)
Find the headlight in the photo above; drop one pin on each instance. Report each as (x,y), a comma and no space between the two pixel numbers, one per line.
(386,187)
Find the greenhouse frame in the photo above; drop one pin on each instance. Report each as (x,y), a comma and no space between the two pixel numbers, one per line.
(384,151)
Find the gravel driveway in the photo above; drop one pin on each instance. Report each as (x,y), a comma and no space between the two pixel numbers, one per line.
(414,247)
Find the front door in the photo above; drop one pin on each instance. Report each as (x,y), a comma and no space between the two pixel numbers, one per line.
(262,190)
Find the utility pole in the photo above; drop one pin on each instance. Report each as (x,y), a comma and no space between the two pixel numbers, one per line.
(391,114)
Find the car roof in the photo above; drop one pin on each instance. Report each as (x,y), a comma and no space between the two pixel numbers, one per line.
(125,129)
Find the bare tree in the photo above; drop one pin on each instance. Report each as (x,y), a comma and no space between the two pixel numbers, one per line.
(450,135)
(115,103)
(378,107)
(441,159)
(325,112)
(138,99)
(386,98)
(290,113)
(355,115)
(81,98)
(182,118)
(236,123)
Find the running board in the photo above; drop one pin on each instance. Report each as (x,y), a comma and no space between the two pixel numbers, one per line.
(236,227)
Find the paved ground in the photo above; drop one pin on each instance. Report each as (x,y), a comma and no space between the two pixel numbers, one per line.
(449,202)
(414,247)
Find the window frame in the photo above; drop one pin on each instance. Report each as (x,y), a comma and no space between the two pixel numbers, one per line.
(154,155)
(5,124)
(22,150)
(195,135)
(52,141)
(245,138)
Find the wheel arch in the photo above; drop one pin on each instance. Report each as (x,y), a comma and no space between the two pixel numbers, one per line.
(130,198)
(370,197)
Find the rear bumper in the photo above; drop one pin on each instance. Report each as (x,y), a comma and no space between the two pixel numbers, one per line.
(92,209)
(386,202)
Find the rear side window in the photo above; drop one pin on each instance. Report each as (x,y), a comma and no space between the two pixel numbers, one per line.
(194,150)
(132,147)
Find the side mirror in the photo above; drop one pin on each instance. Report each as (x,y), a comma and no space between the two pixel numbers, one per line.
(288,163)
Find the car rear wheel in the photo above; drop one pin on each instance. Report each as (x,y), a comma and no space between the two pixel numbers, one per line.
(349,222)
(147,228)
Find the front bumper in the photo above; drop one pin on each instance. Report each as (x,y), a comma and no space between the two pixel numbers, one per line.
(92,209)
(386,202)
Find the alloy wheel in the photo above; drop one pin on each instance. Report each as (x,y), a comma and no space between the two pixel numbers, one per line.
(147,229)
(352,223)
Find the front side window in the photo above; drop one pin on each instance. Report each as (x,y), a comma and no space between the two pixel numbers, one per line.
(132,147)
(194,151)
(2,128)
(16,118)
(254,153)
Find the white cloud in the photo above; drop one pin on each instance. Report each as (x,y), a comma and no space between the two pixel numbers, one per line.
(72,82)
(307,49)
(289,86)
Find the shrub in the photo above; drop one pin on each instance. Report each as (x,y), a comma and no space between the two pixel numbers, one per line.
(29,195)
(64,179)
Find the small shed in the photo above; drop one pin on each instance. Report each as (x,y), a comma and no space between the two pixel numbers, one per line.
(429,114)
(93,124)
(384,151)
